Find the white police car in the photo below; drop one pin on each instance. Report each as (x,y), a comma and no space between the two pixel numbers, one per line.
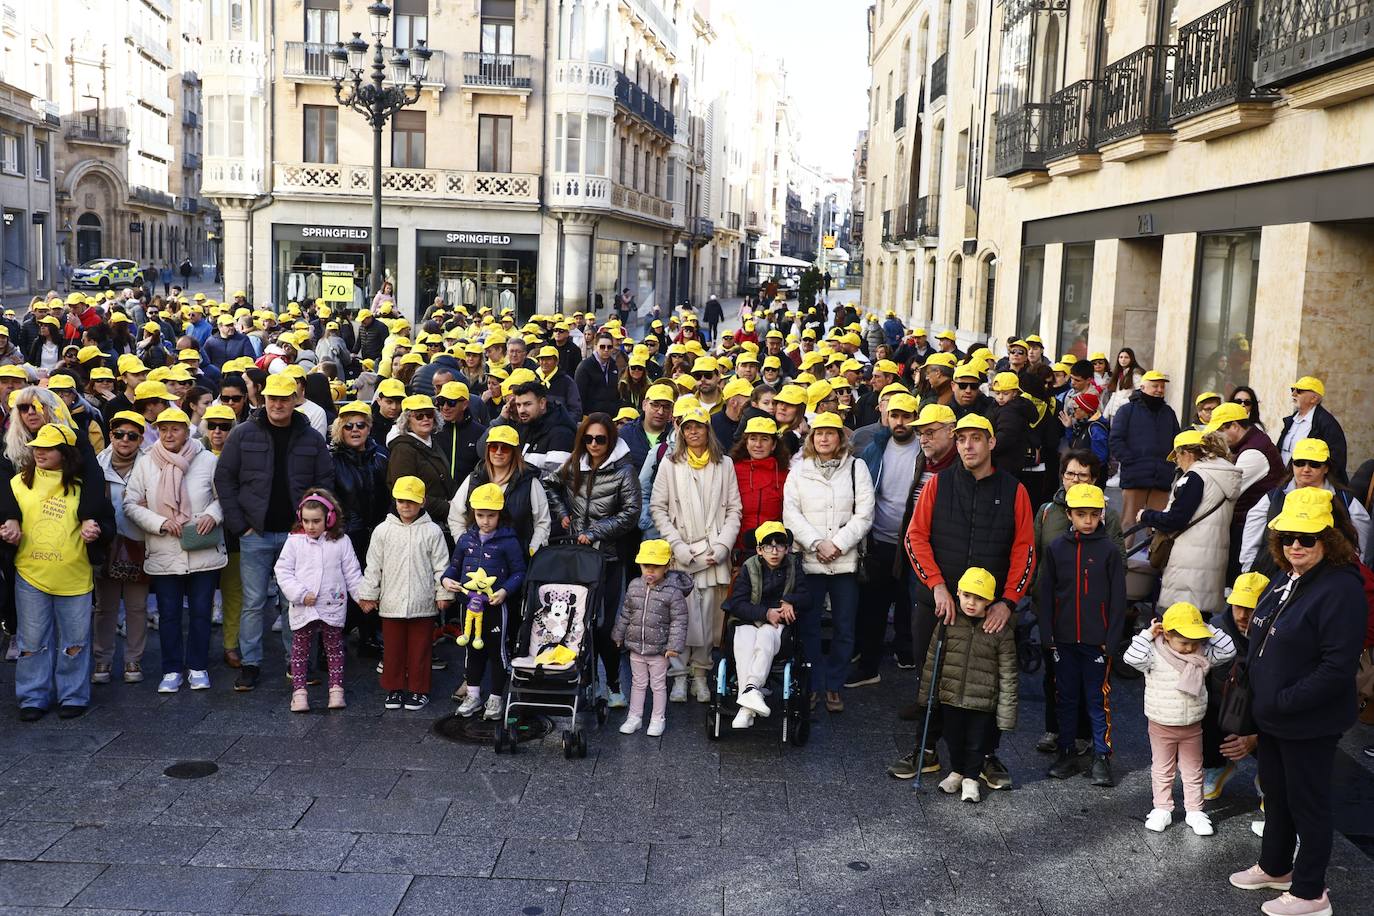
(106,273)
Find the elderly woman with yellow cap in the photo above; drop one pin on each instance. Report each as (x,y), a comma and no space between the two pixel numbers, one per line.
(1198,517)
(53,572)
(1305,641)
(415,453)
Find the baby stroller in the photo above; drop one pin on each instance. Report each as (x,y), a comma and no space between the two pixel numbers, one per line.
(1142,595)
(789,680)
(562,593)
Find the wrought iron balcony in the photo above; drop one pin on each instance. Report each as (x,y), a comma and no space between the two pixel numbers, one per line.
(939,76)
(309,60)
(643,106)
(899,113)
(1072,124)
(701,229)
(99,134)
(1301,38)
(1134,97)
(497,71)
(926,216)
(190,161)
(1215,61)
(1021,136)
(902,225)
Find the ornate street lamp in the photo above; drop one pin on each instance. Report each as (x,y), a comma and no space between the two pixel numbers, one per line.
(376,101)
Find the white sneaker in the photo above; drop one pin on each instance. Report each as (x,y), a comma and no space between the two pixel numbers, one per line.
(170,683)
(632,724)
(198,680)
(751,699)
(470,704)
(1158,820)
(677,695)
(656,727)
(971,792)
(617,701)
(495,704)
(1200,822)
(700,690)
(743,719)
(951,783)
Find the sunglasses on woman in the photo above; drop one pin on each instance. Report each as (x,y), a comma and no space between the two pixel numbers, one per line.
(595,440)
(422,415)
(219,427)
(127,435)
(1244,402)
(355,425)
(231,399)
(1308,463)
(1288,539)
(26,408)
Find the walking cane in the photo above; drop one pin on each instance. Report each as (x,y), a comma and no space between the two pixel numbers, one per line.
(932,689)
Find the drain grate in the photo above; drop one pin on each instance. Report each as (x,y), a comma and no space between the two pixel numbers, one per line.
(477,730)
(191,769)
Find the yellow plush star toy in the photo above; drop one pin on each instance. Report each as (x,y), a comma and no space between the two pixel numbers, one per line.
(478,587)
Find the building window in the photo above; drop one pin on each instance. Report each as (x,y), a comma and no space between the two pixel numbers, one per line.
(12,153)
(40,160)
(620,162)
(237,142)
(596,144)
(1075,299)
(1223,312)
(322,28)
(408,140)
(14,272)
(493,143)
(989,294)
(1032,290)
(321,134)
(214,125)
(410,23)
(961,160)
(498,26)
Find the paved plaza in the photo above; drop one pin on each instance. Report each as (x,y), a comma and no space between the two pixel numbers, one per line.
(369,812)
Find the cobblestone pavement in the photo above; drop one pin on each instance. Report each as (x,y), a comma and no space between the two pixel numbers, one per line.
(365,811)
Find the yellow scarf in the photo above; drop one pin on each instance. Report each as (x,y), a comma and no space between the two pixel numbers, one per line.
(698,461)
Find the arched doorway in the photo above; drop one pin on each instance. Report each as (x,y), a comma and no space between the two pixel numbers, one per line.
(88,236)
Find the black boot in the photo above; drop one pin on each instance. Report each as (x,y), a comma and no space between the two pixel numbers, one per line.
(1102,771)
(1064,766)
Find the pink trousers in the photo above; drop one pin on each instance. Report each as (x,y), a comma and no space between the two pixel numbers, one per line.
(648,671)
(1176,749)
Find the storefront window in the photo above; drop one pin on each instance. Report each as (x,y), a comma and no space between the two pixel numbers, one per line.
(606,275)
(1032,290)
(1223,312)
(301,250)
(1075,298)
(477,269)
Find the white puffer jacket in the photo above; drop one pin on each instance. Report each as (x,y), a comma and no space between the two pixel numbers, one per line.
(1165,704)
(1197,564)
(404,563)
(839,508)
(164,553)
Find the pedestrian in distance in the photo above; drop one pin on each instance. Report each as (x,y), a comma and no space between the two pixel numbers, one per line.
(1175,655)
(652,627)
(316,571)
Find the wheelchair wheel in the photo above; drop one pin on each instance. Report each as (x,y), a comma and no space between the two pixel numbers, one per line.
(499,739)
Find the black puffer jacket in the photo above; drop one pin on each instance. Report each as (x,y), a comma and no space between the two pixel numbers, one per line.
(360,484)
(371,339)
(1011,424)
(243,476)
(605,505)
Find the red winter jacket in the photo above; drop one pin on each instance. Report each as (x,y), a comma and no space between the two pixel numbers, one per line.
(760,492)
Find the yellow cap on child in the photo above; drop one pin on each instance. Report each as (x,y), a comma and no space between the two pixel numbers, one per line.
(1247,589)
(488,496)
(654,553)
(1085,496)
(1186,620)
(978,581)
(410,489)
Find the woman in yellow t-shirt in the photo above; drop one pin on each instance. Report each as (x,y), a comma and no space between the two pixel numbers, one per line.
(53,578)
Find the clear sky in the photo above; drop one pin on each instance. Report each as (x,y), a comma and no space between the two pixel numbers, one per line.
(824,46)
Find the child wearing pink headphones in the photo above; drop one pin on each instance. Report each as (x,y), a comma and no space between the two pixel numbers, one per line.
(316,572)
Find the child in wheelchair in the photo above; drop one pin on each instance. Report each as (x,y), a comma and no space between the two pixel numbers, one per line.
(767,597)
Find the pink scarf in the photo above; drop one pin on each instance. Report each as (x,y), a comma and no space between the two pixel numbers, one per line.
(171,499)
(1192,668)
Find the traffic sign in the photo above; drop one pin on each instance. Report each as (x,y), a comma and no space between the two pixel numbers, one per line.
(828,241)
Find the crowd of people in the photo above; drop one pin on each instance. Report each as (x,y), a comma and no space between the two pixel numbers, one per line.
(813,478)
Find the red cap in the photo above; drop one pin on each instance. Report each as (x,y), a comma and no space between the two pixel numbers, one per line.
(1087,400)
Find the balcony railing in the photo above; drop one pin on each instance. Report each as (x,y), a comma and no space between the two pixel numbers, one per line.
(105,136)
(939,75)
(658,20)
(899,113)
(231,178)
(925,217)
(190,161)
(623,198)
(1072,122)
(497,71)
(1215,61)
(310,60)
(1135,94)
(152,196)
(583,76)
(437,185)
(1300,38)
(1021,139)
(643,106)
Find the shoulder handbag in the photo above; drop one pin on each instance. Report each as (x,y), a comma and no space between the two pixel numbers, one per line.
(1233,715)
(862,569)
(1162,542)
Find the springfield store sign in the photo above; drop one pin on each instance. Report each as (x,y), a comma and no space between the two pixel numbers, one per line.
(475,238)
(335,232)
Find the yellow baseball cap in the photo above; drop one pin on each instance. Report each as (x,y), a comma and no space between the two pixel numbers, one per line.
(52,435)
(13,371)
(769,529)
(1247,589)
(654,553)
(945,335)
(705,364)
(1206,396)
(86,354)
(661,392)
(155,391)
(1306,510)
(1189,438)
(410,489)
(944,360)
(905,403)
(1154,375)
(1186,620)
(978,581)
(973,421)
(503,435)
(791,394)
(220,412)
(487,496)
(1311,450)
(827,420)
(764,426)
(1006,381)
(61,383)
(695,415)
(1085,496)
(934,413)
(1099,355)
(628,414)
(128,416)
(102,374)
(455,391)
(1229,412)
(361,407)
(173,415)
(737,387)
(882,365)
(418,402)
(1309,383)
(279,386)
(773,362)
(391,388)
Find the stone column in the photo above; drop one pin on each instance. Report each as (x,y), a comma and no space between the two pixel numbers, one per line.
(1174,324)
(1049,296)
(234,214)
(577,256)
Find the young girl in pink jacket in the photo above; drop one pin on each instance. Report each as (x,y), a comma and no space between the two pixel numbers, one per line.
(317,571)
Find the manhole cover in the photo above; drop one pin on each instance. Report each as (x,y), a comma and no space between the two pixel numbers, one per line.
(191,769)
(477,730)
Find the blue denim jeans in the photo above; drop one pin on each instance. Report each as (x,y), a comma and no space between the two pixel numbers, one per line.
(257,555)
(49,626)
(198,591)
(828,673)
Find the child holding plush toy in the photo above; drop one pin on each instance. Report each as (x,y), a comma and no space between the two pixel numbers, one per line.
(488,566)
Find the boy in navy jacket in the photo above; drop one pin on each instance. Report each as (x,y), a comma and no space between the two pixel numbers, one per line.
(1082,613)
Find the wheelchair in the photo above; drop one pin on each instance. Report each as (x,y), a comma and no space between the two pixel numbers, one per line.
(789,683)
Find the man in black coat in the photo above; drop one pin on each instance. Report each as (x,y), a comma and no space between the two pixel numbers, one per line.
(546,430)
(1310,420)
(459,430)
(598,378)
(372,335)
